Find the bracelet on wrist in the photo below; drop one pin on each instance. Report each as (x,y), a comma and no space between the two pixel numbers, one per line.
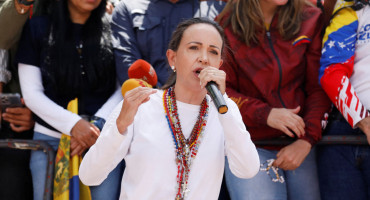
(98,122)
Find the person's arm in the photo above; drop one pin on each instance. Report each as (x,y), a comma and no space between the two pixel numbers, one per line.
(20,118)
(115,139)
(124,41)
(316,103)
(102,114)
(110,104)
(337,66)
(33,93)
(13,19)
(255,111)
(61,119)
(240,151)
(110,148)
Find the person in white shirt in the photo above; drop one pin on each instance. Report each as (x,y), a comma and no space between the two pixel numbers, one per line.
(173,140)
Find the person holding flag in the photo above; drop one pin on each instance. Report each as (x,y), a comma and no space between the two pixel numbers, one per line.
(345,77)
(64,55)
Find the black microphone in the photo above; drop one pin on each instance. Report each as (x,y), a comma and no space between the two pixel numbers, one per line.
(217,97)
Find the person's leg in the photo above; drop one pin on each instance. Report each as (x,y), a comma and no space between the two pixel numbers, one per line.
(340,178)
(339,173)
(38,163)
(111,187)
(364,166)
(260,187)
(303,183)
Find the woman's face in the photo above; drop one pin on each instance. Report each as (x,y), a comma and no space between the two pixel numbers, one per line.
(82,6)
(200,47)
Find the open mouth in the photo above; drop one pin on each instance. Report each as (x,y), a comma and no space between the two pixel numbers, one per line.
(197,71)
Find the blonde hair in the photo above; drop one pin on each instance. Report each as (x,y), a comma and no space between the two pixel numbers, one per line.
(246,19)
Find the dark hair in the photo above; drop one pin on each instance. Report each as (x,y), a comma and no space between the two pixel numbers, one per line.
(63,61)
(177,37)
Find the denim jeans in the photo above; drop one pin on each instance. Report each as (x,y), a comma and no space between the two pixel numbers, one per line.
(344,170)
(299,184)
(38,163)
(111,187)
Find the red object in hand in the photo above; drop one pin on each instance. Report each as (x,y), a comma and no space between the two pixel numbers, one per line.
(141,69)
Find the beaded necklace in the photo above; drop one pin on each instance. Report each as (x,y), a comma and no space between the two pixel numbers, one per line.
(186,149)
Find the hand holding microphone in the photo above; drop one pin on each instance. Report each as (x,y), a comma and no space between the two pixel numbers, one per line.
(213,80)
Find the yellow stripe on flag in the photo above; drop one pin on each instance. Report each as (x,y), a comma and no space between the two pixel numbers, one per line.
(347,16)
(66,167)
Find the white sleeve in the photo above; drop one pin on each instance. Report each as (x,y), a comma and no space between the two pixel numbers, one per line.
(108,106)
(35,99)
(240,151)
(109,150)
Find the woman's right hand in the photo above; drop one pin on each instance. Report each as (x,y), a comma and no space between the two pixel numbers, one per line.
(85,133)
(132,100)
(287,120)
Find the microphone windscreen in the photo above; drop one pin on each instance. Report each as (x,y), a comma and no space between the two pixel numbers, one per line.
(141,69)
(132,83)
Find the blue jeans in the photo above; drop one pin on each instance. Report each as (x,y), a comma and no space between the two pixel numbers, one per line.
(301,183)
(38,163)
(344,170)
(111,187)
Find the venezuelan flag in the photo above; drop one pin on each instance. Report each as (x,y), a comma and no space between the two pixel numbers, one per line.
(301,40)
(339,41)
(67,185)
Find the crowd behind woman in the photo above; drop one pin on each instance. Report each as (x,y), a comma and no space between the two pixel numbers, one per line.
(272,66)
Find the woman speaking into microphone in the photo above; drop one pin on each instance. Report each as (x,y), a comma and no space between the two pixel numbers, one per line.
(173,140)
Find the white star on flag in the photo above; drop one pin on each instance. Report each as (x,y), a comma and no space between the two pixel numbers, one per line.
(341,45)
(331,43)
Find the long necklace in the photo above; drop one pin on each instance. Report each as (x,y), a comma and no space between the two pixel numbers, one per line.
(186,149)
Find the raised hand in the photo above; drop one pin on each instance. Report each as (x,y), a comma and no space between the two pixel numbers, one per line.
(213,74)
(132,100)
